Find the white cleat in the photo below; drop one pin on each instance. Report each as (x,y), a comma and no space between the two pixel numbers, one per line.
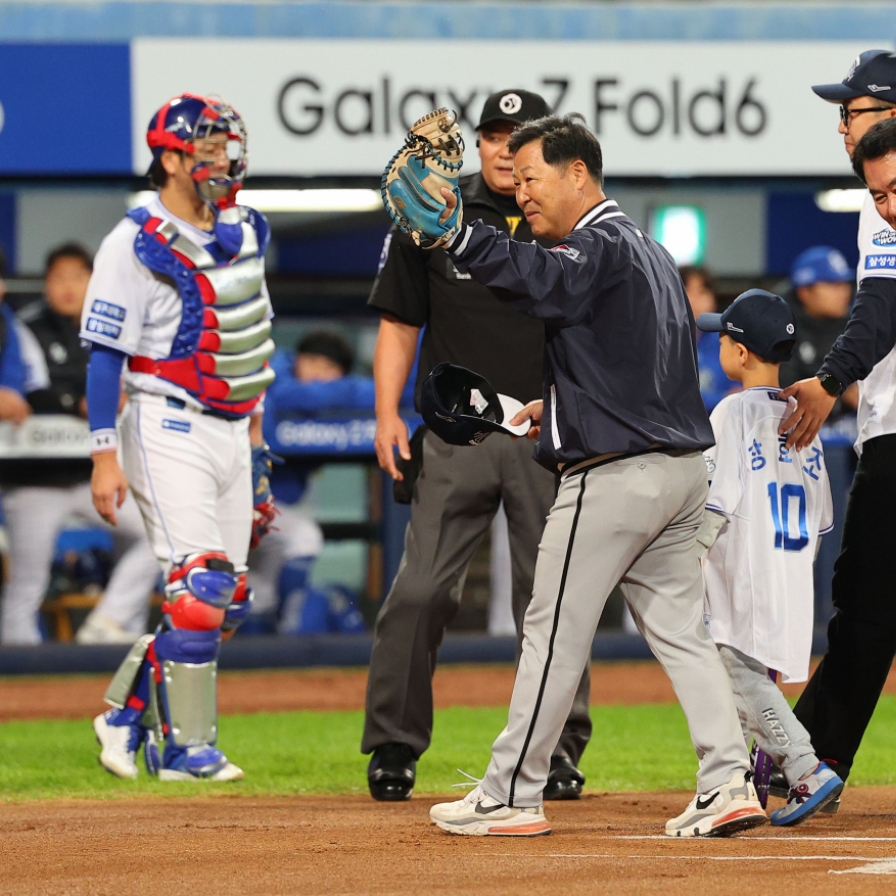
(479,815)
(119,746)
(726,810)
(200,762)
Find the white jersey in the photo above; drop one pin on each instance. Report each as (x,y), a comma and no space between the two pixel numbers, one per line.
(135,310)
(877,392)
(758,574)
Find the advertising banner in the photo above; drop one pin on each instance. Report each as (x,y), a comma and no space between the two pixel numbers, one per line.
(672,109)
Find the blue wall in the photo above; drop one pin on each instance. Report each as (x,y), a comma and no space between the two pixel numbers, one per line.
(118,21)
(794,222)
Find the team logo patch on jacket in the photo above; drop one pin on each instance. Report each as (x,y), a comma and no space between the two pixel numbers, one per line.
(569,252)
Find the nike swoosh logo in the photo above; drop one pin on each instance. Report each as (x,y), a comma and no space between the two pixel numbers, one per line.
(701,805)
(487,810)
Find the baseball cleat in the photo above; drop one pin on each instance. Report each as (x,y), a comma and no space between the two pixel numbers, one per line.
(809,795)
(119,744)
(565,781)
(392,773)
(197,763)
(479,815)
(726,810)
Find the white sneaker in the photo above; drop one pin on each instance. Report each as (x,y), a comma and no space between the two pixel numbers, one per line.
(119,746)
(99,629)
(732,807)
(480,815)
(201,762)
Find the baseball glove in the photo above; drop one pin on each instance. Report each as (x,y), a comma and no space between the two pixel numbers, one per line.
(263,509)
(430,159)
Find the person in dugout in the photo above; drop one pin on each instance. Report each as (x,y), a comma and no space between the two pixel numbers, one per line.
(40,495)
(316,379)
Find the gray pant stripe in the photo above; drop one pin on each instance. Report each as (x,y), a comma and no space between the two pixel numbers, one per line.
(547,665)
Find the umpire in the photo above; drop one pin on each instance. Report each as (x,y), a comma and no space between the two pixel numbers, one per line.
(839,700)
(459,489)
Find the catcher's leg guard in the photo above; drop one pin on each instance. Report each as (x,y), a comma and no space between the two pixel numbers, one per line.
(240,605)
(121,731)
(184,655)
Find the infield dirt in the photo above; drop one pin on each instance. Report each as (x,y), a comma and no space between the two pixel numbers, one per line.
(608,844)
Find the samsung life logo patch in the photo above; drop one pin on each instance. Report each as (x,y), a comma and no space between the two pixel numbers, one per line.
(107,309)
(101,328)
(176,425)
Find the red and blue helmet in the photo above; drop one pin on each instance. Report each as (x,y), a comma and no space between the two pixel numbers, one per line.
(187,119)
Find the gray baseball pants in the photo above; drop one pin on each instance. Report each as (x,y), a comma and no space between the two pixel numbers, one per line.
(766,715)
(631,521)
(455,499)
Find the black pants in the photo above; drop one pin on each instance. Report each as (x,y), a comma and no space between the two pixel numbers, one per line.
(840,698)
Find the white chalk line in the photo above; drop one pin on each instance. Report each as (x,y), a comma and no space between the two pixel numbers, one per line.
(882,866)
(780,839)
(578,855)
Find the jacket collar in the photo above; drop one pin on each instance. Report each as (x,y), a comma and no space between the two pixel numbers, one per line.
(609,208)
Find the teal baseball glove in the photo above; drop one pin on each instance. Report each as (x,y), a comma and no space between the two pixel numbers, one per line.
(430,159)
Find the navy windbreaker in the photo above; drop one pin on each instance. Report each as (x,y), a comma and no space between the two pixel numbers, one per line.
(620,351)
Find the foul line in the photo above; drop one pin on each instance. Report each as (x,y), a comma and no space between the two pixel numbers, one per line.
(574,855)
(779,839)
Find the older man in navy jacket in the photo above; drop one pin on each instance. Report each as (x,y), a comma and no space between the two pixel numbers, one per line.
(623,424)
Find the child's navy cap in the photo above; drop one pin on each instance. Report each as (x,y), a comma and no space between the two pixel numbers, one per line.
(760,320)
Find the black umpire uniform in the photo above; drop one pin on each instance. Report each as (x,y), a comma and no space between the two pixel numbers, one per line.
(457,494)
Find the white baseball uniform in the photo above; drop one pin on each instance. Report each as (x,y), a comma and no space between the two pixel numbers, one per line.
(776,502)
(189,472)
(876,412)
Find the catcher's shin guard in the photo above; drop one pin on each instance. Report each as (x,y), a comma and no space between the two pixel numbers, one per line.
(184,656)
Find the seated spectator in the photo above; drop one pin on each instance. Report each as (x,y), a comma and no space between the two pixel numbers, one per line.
(714,385)
(820,294)
(40,495)
(318,378)
(13,374)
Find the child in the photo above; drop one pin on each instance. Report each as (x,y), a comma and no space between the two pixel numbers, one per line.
(767,507)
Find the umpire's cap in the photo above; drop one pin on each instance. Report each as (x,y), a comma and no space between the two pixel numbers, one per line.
(516,106)
(462,408)
(872,74)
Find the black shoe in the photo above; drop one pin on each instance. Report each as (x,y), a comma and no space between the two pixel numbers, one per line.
(565,781)
(777,784)
(392,773)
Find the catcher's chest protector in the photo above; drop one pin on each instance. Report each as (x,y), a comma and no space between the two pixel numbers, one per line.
(221,351)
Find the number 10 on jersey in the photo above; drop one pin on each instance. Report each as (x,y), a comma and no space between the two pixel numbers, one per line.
(792,497)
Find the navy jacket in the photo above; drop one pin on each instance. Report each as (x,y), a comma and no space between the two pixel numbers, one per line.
(620,352)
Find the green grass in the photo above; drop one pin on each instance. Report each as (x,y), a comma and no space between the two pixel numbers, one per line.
(633,748)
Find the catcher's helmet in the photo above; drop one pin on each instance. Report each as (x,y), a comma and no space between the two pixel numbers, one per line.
(187,119)
(462,408)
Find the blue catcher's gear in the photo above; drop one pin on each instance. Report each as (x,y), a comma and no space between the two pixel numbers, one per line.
(204,127)
(184,661)
(430,160)
(263,509)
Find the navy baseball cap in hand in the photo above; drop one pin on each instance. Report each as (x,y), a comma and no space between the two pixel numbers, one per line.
(462,408)
(820,264)
(760,320)
(872,74)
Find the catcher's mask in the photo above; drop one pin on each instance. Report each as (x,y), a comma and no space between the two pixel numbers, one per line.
(208,129)
(462,408)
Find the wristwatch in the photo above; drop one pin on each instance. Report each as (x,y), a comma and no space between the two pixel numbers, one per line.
(830,384)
